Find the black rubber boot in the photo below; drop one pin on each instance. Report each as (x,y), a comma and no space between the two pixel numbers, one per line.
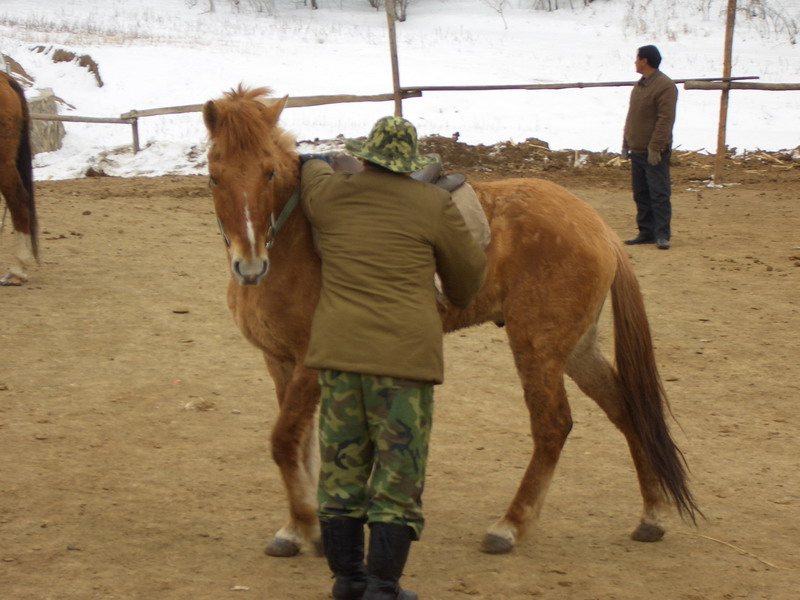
(389,544)
(343,542)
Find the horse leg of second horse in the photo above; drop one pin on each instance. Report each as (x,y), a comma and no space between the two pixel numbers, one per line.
(17,272)
(15,195)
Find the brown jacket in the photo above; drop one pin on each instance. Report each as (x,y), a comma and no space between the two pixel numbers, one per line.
(381,237)
(651,114)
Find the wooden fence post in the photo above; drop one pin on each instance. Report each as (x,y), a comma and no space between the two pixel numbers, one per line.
(719,162)
(398,97)
(135,127)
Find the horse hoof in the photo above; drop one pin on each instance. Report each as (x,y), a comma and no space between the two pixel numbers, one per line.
(647,533)
(282,548)
(12,279)
(494,544)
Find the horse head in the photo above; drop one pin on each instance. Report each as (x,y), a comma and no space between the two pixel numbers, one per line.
(253,170)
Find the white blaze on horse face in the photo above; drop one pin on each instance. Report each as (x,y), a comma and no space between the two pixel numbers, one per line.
(251,234)
(251,267)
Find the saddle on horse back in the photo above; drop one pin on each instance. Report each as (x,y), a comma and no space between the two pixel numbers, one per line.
(464,197)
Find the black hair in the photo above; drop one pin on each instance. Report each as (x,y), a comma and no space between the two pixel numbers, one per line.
(652,55)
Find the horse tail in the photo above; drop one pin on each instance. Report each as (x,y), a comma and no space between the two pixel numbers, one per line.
(644,397)
(25,165)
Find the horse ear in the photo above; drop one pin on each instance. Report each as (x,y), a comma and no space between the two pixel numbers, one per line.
(275,108)
(281,104)
(210,115)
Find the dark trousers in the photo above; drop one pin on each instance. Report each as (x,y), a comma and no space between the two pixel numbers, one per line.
(651,192)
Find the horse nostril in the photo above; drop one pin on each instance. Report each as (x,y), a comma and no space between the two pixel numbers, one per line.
(250,272)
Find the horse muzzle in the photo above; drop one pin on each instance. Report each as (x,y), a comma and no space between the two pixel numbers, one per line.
(249,271)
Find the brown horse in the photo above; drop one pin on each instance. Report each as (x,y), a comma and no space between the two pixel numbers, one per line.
(16,176)
(551,263)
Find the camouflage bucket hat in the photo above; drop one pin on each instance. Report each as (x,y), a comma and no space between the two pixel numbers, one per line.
(392,144)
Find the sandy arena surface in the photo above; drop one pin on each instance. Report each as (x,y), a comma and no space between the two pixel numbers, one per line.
(134,419)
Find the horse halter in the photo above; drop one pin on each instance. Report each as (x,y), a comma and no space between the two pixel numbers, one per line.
(275,225)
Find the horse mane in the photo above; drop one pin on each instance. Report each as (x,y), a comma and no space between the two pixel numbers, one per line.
(245,123)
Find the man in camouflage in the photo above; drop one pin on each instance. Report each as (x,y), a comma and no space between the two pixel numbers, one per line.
(377,339)
(398,412)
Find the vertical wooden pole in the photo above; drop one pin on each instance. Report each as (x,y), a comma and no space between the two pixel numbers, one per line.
(398,100)
(719,163)
(135,126)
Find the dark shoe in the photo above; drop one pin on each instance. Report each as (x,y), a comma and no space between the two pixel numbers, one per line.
(389,544)
(640,239)
(662,244)
(343,543)
(389,593)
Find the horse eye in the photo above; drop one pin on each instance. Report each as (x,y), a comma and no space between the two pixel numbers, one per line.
(212,180)
(271,175)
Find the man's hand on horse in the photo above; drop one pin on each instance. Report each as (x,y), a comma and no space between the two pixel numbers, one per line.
(304,158)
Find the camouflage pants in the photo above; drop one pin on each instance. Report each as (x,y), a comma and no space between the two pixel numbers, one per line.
(374,433)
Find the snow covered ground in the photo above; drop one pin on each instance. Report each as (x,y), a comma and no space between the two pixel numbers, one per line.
(159,53)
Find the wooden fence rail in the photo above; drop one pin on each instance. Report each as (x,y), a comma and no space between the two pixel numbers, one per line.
(552,86)
(721,85)
(77,119)
(294,101)
(132,117)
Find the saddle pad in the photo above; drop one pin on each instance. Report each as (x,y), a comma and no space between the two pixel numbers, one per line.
(467,202)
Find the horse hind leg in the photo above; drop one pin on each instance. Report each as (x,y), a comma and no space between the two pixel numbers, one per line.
(551,422)
(14,193)
(595,377)
(17,272)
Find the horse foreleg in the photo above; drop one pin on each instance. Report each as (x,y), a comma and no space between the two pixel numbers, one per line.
(293,450)
(594,376)
(551,423)
(303,526)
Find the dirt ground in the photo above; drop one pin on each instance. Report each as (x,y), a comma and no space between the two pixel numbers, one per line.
(134,419)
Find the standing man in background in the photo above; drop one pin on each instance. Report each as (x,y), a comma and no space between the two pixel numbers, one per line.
(647,140)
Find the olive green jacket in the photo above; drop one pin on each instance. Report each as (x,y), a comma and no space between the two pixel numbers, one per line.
(381,237)
(651,114)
